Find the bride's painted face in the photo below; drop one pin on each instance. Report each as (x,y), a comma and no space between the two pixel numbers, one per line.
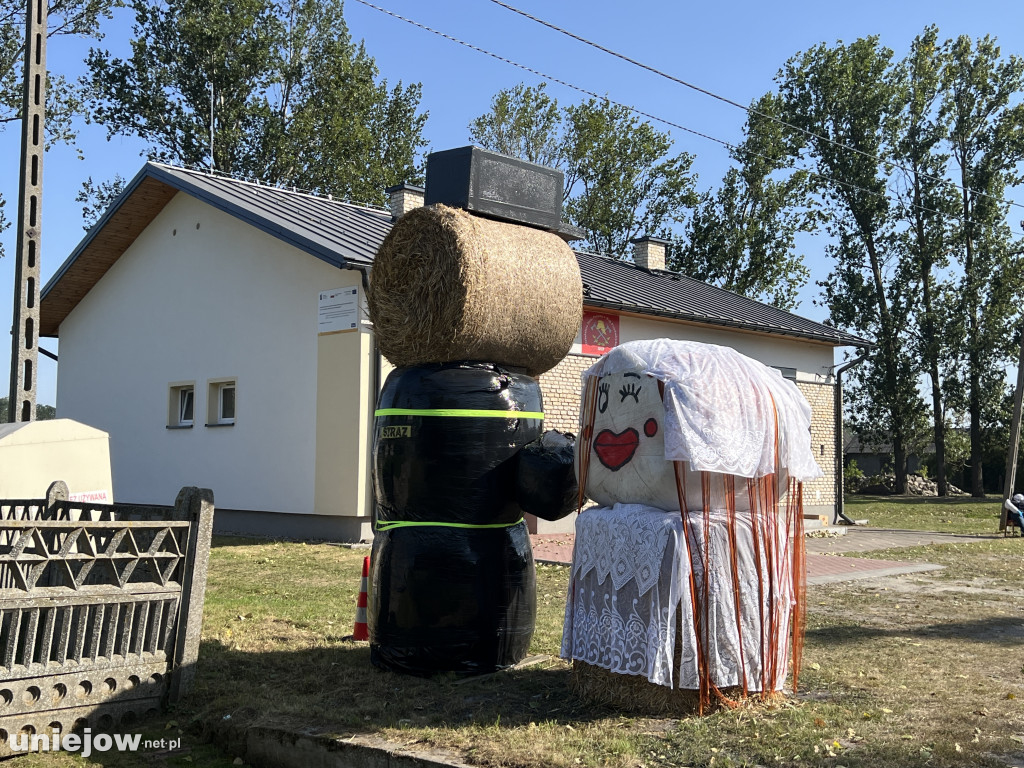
(627,462)
(627,456)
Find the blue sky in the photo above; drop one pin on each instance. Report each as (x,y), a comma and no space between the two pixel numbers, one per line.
(733,49)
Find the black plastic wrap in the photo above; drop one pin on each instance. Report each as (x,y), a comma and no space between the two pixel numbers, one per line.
(452,469)
(451,599)
(547,486)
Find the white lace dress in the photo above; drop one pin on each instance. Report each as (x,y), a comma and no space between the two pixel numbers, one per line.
(633,578)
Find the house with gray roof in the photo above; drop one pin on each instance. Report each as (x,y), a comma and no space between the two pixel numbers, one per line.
(216,330)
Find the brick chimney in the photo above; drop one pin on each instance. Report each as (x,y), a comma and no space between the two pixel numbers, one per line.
(403,198)
(649,252)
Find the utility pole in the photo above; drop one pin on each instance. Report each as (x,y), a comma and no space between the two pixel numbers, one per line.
(21,405)
(1010,477)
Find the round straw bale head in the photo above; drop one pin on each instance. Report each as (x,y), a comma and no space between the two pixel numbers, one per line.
(447,285)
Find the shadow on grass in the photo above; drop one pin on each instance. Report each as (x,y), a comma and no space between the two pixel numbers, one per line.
(335,689)
(945,501)
(224,540)
(999,631)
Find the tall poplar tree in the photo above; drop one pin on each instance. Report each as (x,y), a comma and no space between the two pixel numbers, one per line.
(523,122)
(981,101)
(928,202)
(844,99)
(625,182)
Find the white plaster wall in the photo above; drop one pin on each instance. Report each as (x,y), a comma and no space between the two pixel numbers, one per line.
(199,296)
(811,360)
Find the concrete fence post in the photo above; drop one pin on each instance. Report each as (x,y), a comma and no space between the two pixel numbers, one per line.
(196,506)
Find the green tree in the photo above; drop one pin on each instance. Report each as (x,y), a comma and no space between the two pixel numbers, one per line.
(295,100)
(43,412)
(743,237)
(96,197)
(79,18)
(928,203)
(981,101)
(845,97)
(523,122)
(621,179)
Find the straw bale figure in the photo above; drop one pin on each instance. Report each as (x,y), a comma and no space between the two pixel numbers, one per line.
(687,579)
(469,310)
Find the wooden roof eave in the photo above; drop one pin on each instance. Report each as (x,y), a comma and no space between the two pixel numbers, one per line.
(140,202)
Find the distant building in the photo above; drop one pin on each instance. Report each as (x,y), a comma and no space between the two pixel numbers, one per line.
(216,330)
(877,458)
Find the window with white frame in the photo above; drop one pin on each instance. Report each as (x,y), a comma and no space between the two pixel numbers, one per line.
(181,405)
(221,403)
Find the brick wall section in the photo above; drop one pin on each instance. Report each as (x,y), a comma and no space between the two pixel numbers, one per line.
(561,389)
(822,400)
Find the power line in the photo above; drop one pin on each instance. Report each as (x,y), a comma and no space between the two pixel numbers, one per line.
(748,110)
(634,110)
(610,52)
(540,74)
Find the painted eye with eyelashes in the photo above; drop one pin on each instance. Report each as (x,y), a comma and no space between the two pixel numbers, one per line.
(630,390)
(602,397)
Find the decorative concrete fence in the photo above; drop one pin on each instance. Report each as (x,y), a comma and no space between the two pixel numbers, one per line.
(101,609)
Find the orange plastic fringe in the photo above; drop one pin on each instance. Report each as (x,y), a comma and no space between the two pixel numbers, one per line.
(796,513)
(756,525)
(777,608)
(586,443)
(729,483)
(703,673)
(777,543)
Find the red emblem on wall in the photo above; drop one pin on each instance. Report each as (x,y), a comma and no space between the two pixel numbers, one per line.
(600,333)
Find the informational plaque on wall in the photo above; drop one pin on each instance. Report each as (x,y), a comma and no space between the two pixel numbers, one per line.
(338,311)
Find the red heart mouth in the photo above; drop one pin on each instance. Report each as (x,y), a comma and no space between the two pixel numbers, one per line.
(615,450)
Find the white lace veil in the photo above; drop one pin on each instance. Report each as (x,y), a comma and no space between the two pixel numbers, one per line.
(719,413)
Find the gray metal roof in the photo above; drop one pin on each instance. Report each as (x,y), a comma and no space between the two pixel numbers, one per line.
(334,231)
(615,284)
(347,235)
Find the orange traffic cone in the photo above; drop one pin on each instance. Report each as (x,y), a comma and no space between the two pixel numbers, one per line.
(360,631)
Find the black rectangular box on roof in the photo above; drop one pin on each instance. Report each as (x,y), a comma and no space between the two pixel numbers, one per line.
(490,184)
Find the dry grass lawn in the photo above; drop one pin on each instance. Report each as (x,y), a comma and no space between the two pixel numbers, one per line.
(918,670)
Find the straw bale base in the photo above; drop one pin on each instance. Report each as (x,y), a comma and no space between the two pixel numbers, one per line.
(634,693)
(631,693)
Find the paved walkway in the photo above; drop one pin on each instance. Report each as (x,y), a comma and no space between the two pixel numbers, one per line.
(824,568)
(825,564)
(864,539)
